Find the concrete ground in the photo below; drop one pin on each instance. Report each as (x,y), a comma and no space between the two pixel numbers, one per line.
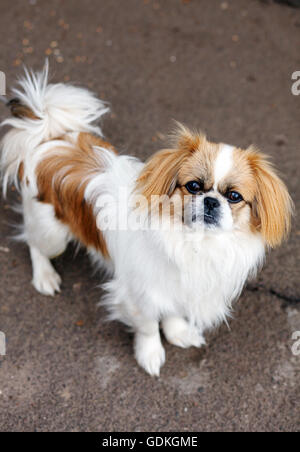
(224,66)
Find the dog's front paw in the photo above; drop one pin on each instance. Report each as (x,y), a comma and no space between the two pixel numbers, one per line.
(149,353)
(47,281)
(180,333)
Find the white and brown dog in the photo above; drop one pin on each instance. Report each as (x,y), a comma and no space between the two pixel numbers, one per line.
(201,214)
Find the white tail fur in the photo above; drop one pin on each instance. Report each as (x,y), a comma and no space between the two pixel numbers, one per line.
(60,108)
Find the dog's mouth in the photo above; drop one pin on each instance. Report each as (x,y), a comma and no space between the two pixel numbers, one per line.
(209,219)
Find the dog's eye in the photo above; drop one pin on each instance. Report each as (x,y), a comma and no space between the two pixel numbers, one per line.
(194,187)
(234,196)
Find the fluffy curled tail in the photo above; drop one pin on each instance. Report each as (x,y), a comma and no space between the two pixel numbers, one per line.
(43,111)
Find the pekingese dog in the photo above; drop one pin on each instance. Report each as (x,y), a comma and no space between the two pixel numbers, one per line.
(179,235)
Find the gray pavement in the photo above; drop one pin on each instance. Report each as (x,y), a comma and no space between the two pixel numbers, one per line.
(225,67)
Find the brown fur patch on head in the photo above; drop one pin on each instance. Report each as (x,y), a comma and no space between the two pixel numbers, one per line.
(200,166)
(272,206)
(266,206)
(265,196)
(62,178)
(240,177)
(160,175)
(186,139)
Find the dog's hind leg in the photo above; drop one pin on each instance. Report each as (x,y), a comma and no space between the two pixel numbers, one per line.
(47,238)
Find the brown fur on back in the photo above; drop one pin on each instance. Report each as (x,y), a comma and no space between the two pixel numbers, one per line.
(62,178)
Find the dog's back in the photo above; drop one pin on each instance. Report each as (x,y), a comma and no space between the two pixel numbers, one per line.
(51,153)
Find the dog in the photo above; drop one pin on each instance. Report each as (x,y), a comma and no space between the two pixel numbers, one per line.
(179,235)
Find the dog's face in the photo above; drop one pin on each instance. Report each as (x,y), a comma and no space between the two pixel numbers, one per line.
(216,195)
(217,187)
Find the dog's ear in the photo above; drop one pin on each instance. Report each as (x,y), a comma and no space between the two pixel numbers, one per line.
(272,207)
(159,176)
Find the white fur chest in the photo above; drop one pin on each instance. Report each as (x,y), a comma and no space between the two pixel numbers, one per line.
(160,273)
(205,274)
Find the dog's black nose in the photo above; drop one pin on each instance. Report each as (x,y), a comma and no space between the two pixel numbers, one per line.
(210,204)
